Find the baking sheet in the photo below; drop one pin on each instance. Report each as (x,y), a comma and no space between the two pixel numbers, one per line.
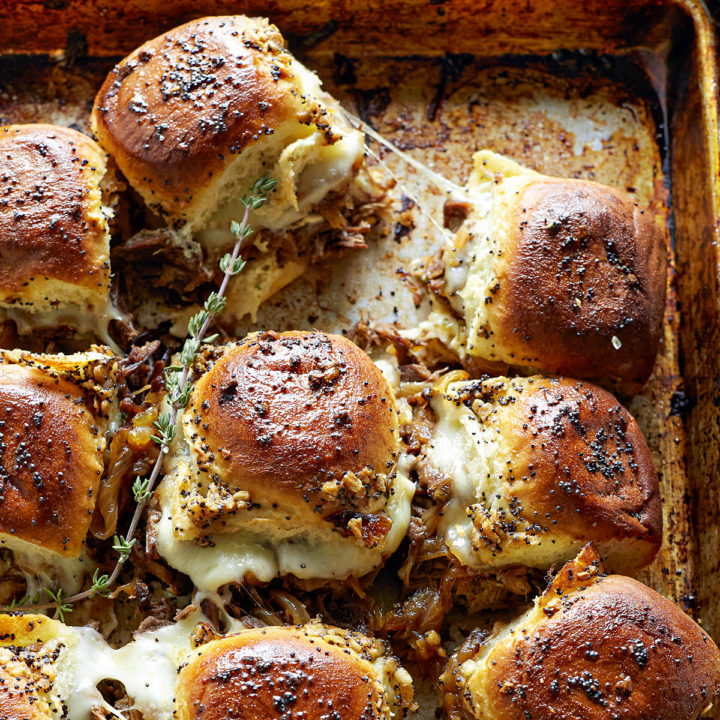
(578,115)
(570,118)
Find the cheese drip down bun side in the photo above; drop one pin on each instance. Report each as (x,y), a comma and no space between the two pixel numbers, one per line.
(55,411)
(538,467)
(594,647)
(54,234)
(560,276)
(312,671)
(287,461)
(195,116)
(49,671)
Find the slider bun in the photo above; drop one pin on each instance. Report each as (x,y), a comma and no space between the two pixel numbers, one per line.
(30,646)
(297,417)
(312,672)
(195,116)
(541,466)
(20,630)
(52,411)
(576,281)
(594,647)
(288,464)
(51,460)
(54,238)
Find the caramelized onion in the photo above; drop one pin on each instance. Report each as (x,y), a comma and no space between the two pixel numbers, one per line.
(105,517)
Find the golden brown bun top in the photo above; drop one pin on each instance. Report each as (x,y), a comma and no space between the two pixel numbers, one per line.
(583,265)
(50,459)
(27,665)
(51,222)
(600,648)
(20,630)
(297,417)
(281,672)
(179,109)
(576,462)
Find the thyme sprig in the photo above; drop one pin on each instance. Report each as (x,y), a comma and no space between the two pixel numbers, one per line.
(178,386)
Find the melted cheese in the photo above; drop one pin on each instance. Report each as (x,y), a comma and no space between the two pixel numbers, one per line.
(78,659)
(83,320)
(299,156)
(479,525)
(44,568)
(147,667)
(467,452)
(470,257)
(327,555)
(232,557)
(307,170)
(58,303)
(41,566)
(307,167)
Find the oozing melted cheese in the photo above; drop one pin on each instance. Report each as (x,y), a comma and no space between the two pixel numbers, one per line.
(479,523)
(83,320)
(44,568)
(469,259)
(41,566)
(232,557)
(307,170)
(466,451)
(147,667)
(308,555)
(306,167)
(299,156)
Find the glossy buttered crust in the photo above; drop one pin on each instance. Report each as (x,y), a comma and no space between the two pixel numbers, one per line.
(51,459)
(19,631)
(597,649)
(179,109)
(582,264)
(577,464)
(27,665)
(54,240)
(310,672)
(297,418)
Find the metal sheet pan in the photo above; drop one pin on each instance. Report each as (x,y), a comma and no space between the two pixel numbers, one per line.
(622,92)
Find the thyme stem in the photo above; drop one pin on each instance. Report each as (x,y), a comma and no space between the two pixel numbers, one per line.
(177,396)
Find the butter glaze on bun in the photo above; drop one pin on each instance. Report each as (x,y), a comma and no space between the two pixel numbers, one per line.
(54,236)
(51,460)
(299,417)
(592,647)
(313,671)
(195,116)
(290,439)
(538,468)
(559,275)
